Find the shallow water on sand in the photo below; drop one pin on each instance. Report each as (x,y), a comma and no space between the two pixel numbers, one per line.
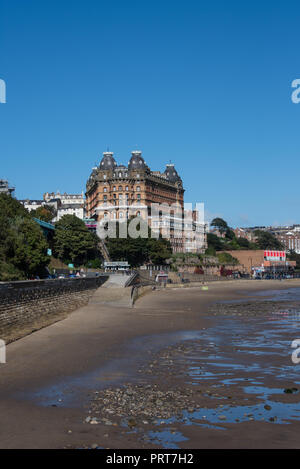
(71,391)
(251,354)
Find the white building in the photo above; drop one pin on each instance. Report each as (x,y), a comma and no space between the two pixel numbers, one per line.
(70,209)
(64,198)
(67,204)
(64,204)
(32,204)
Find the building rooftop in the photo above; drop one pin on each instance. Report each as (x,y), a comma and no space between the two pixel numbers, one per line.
(135,164)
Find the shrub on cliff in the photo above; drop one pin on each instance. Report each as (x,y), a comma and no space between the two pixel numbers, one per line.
(226,258)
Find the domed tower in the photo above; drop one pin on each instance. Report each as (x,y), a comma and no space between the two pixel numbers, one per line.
(108,162)
(172,174)
(137,162)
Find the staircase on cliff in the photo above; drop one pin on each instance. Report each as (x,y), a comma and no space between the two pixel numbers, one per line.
(104,250)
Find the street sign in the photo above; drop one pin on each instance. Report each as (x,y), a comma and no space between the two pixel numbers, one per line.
(116,264)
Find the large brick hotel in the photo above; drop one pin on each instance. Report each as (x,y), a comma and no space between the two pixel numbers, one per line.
(118,192)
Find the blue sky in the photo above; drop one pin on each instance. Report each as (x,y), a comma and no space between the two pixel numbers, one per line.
(204,84)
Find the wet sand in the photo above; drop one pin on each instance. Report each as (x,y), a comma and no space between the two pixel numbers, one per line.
(178,341)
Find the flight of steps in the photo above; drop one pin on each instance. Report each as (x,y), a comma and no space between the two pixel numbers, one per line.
(103,250)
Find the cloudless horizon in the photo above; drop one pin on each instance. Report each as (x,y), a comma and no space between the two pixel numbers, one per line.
(206,85)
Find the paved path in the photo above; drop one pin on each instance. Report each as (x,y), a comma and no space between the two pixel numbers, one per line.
(116,280)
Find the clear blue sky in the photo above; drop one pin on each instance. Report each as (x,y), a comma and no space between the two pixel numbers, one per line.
(204,84)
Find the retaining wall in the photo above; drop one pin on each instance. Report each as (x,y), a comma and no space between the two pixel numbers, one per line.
(30,305)
(138,291)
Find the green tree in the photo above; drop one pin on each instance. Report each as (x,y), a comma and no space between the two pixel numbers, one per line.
(10,207)
(23,248)
(293,256)
(210,251)
(30,247)
(266,240)
(138,250)
(231,244)
(229,234)
(159,250)
(213,241)
(44,213)
(243,243)
(220,224)
(73,243)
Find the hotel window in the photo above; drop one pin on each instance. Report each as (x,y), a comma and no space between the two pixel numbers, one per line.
(114,188)
(126,188)
(105,189)
(138,188)
(105,198)
(120,175)
(120,188)
(139,197)
(104,176)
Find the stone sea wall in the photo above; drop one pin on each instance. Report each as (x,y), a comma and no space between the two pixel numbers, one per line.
(30,305)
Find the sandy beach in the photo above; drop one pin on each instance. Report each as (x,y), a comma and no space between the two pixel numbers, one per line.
(184,368)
